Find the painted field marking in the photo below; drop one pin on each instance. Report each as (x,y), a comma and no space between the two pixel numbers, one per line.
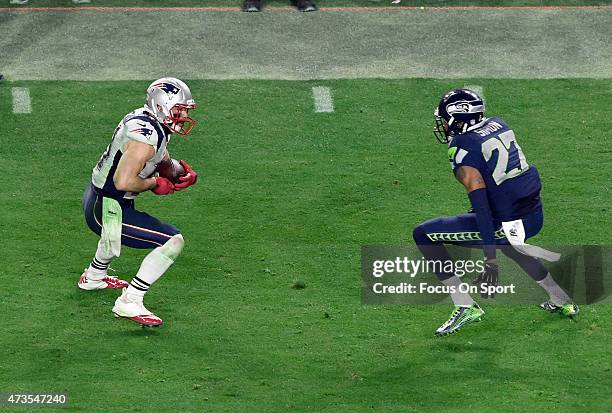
(458,8)
(291,9)
(21,100)
(81,1)
(323,101)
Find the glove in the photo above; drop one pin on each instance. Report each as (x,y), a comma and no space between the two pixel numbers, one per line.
(190,177)
(489,277)
(163,187)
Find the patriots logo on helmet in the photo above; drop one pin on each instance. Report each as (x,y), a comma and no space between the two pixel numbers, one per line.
(143,131)
(167,87)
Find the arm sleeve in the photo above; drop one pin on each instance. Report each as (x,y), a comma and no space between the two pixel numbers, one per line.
(484,220)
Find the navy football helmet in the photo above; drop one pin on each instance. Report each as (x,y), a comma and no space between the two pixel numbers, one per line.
(458,110)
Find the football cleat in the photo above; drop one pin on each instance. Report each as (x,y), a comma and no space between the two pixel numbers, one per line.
(460,317)
(135,310)
(550,306)
(85,283)
(568,310)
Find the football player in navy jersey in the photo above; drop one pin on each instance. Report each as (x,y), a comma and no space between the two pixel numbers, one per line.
(125,170)
(504,191)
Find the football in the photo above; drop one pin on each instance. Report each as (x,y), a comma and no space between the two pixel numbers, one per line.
(170,169)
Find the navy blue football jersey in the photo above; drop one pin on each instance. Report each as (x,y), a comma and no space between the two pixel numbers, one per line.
(513,186)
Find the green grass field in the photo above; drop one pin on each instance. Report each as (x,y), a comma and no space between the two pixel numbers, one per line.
(287,194)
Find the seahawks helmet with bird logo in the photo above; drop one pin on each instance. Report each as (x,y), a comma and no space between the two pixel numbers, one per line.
(458,110)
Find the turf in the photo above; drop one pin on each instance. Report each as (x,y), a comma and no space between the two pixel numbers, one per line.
(286,194)
(320,3)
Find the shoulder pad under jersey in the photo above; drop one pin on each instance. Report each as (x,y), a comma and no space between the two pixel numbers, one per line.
(143,129)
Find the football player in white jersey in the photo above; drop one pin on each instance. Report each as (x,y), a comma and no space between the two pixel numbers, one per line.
(126,169)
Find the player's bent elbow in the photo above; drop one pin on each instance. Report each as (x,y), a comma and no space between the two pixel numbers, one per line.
(473,186)
(121,184)
(121,187)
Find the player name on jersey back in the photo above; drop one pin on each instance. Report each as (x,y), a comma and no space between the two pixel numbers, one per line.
(489,128)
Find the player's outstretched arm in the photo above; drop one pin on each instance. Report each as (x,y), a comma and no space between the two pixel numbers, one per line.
(134,157)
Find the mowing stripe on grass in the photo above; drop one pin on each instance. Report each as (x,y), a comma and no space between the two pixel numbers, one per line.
(21,100)
(322,99)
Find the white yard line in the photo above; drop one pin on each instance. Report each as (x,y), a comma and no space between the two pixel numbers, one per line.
(21,100)
(323,101)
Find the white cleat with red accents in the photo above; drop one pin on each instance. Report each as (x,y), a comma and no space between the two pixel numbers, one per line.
(135,310)
(86,283)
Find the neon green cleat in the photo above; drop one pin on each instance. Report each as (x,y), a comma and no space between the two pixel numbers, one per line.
(568,310)
(460,317)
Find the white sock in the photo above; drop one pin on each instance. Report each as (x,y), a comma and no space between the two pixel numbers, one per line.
(99,265)
(459,298)
(154,266)
(555,293)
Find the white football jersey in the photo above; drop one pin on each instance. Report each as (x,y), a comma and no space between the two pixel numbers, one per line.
(138,125)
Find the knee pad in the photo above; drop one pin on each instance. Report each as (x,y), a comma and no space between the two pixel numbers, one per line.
(112,221)
(104,254)
(173,247)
